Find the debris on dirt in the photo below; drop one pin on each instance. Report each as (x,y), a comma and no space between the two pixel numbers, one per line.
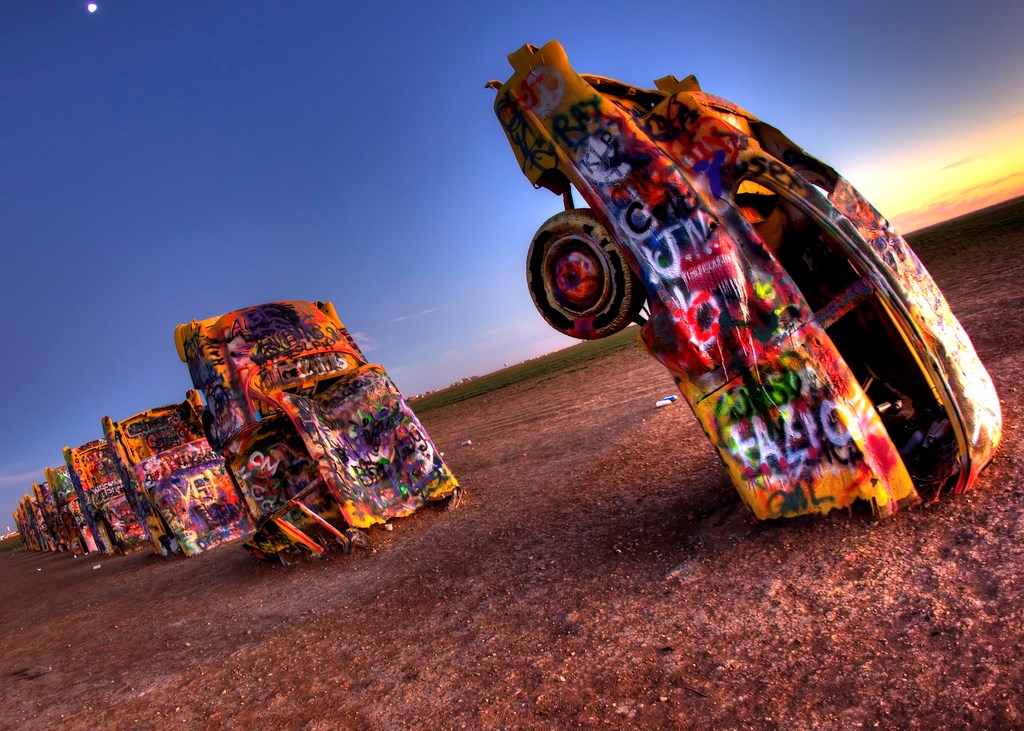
(680,570)
(31,673)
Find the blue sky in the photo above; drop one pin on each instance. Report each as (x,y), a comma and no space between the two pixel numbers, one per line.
(164,161)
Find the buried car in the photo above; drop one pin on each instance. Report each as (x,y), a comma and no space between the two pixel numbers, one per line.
(177,485)
(322,442)
(24,527)
(76,524)
(31,519)
(816,351)
(101,496)
(55,532)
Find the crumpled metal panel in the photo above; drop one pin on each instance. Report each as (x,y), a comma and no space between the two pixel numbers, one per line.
(794,425)
(272,467)
(370,447)
(320,440)
(178,486)
(191,489)
(101,493)
(76,525)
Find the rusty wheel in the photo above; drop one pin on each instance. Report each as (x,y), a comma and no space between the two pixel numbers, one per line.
(579,277)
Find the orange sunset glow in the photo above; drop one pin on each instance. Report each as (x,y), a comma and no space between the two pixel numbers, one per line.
(947,177)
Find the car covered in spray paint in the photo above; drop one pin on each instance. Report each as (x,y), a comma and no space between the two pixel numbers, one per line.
(101,495)
(76,524)
(50,516)
(321,441)
(31,519)
(814,348)
(27,525)
(177,485)
(24,526)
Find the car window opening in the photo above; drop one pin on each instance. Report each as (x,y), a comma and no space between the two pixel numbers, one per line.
(864,331)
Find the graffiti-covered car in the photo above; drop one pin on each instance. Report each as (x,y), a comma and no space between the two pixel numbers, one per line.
(321,441)
(178,486)
(101,495)
(76,523)
(24,526)
(54,528)
(31,518)
(814,348)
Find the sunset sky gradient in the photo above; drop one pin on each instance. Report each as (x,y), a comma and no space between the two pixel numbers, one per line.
(164,161)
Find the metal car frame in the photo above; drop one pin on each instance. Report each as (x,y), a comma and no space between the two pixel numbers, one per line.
(76,523)
(24,528)
(101,495)
(321,441)
(816,351)
(50,516)
(31,520)
(178,486)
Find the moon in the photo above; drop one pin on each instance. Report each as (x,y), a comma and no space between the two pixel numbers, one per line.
(91,7)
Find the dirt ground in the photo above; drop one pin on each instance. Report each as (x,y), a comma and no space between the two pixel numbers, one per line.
(601,572)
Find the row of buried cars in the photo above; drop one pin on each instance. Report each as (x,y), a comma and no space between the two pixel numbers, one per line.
(300,444)
(817,353)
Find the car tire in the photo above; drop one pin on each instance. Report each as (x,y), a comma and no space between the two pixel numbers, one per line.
(580,279)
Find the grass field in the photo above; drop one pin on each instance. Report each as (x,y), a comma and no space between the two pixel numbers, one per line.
(990,228)
(11,543)
(540,366)
(957,238)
